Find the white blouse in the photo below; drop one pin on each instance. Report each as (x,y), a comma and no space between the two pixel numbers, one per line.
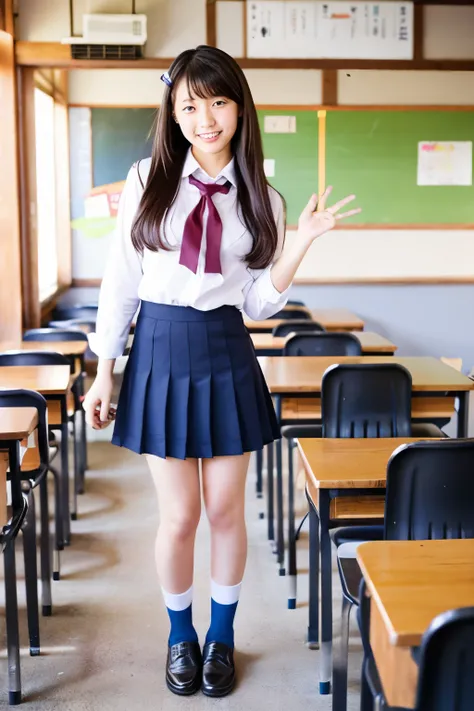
(157,276)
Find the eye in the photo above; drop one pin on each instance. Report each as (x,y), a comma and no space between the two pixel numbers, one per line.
(186,109)
(220,102)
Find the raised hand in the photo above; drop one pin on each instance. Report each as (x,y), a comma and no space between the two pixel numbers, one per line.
(314,222)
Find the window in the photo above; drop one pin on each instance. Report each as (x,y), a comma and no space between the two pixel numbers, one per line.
(46,195)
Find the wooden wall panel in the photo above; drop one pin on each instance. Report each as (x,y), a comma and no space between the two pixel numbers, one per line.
(10,289)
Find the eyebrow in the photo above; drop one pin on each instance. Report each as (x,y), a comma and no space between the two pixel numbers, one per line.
(187,99)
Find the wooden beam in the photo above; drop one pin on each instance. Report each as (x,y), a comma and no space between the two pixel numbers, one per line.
(330,84)
(54,54)
(29,236)
(419,33)
(10,270)
(211,23)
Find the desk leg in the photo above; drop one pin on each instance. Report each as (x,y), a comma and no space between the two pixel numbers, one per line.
(259,462)
(280,522)
(313,608)
(84,462)
(463,414)
(270,522)
(292,571)
(65,473)
(326,595)
(11,600)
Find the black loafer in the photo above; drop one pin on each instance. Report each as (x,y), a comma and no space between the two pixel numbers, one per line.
(218,673)
(184,668)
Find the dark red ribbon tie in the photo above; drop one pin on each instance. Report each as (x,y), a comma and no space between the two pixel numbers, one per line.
(193,230)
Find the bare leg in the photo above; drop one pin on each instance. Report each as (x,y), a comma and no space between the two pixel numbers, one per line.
(224,497)
(179,500)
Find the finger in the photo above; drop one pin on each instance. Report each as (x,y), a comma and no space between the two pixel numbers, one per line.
(349,213)
(89,408)
(337,206)
(104,410)
(311,206)
(324,197)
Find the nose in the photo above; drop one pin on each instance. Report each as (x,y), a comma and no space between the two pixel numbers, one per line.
(205,117)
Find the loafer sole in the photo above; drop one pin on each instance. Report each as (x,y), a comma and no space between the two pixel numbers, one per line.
(215,693)
(184,691)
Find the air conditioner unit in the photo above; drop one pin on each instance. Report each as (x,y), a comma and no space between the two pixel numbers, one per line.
(109,37)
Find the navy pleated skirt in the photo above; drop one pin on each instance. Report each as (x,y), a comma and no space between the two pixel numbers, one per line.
(192,386)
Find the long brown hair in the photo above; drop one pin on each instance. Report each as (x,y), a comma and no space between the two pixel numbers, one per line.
(208,72)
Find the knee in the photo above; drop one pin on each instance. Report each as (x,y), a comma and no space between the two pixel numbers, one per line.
(224,516)
(181,525)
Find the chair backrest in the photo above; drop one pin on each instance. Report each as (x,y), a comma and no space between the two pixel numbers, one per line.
(300,313)
(30,398)
(293,302)
(297,326)
(446,678)
(366,400)
(86,326)
(54,334)
(430,491)
(323,344)
(88,312)
(33,358)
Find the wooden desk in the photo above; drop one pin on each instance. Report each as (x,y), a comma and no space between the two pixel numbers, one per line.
(410,583)
(333,467)
(67,348)
(52,381)
(330,319)
(371,343)
(16,424)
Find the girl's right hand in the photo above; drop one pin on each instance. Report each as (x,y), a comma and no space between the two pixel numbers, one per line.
(99,413)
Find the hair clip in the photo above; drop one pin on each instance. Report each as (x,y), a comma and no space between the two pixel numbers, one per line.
(167,79)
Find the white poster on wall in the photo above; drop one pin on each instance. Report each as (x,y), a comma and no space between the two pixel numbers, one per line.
(336,29)
(444,163)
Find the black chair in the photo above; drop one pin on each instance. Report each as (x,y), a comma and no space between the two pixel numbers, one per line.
(87,312)
(293,302)
(437,479)
(19,358)
(33,475)
(297,326)
(56,334)
(286,314)
(321,344)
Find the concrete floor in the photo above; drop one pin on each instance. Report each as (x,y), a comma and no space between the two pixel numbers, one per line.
(105,646)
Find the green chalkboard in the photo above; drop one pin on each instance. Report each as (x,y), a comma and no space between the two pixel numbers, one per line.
(296,159)
(374,154)
(119,138)
(370,153)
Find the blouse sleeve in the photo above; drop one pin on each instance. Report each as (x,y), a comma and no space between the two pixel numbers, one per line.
(118,300)
(261,298)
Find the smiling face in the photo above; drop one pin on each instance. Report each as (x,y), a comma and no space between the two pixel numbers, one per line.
(209,124)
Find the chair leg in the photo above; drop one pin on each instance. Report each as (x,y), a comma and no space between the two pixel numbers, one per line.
(13,636)
(366,698)
(292,570)
(302,522)
(340,660)
(45,550)
(31,576)
(77,469)
(259,463)
(313,608)
(58,524)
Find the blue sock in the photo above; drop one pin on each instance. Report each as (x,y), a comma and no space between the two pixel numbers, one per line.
(180,612)
(224,603)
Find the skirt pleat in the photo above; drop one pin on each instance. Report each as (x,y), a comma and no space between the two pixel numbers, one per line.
(192,386)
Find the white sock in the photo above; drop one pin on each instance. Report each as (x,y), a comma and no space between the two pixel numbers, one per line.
(225,594)
(179,602)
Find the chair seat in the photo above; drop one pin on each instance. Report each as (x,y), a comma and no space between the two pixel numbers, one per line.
(426,429)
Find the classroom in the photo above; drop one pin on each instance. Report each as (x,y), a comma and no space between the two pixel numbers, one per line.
(237,238)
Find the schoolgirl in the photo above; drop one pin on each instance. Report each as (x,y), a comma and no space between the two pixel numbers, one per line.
(199,239)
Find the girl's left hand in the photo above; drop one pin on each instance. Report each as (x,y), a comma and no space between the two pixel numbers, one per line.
(313,224)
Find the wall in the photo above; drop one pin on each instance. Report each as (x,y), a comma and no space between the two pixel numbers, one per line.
(177,24)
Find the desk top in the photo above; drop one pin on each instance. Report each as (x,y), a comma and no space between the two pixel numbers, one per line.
(17,422)
(330,319)
(75,348)
(370,342)
(349,463)
(45,379)
(293,374)
(412,582)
